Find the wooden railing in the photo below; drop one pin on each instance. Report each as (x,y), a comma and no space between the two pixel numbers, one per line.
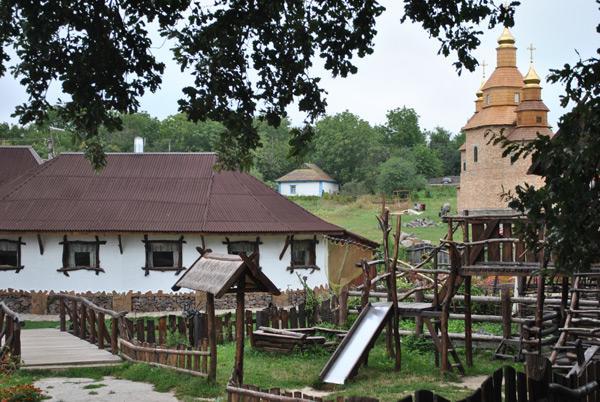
(89,322)
(10,335)
(182,358)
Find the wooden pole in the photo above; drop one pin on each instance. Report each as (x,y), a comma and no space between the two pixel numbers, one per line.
(506,307)
(212,337)
(446,303)
(394,289)
(114,336)
(468,323)
(238,368)
(62,313)
(385,228)
(367,284)
(343,306)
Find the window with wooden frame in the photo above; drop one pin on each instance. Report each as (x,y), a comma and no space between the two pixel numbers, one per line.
(244,246)
(10,255)
(475,154)
(163,255)
(81,255)
(304,254)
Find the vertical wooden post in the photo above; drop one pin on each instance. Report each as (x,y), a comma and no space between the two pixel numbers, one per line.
(93,332)
(419,297)
(75,320)
(62,314)
(394,289)
(238,368)
(564,299)
(101,330)
(444,366)
(468,323)
(506,307)
(366,284)
(16,346)
(212,337)
(114,335)
(83,322)
(343,307)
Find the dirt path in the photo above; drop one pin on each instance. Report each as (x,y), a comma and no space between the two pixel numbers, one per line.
(61,389)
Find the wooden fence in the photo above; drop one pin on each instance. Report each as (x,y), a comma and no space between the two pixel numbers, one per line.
(184,359)
(10,334)
(504,385)
(89,322)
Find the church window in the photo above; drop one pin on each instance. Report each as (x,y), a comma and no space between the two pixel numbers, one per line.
(517,97)
(465,166)
(475,154)
(487,99)
(538,119)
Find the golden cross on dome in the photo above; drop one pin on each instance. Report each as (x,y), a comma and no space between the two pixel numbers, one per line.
(484,65)
(531,50)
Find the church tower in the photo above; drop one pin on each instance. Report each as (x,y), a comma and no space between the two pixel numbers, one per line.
(506,103)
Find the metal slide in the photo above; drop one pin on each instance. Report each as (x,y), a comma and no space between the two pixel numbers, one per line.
(348,355)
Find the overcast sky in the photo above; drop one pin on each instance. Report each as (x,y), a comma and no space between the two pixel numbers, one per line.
(405,68)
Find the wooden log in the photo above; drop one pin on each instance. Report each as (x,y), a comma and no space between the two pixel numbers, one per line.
(75,318)
(212,339)
(506,309)
(237,376)
(293,317)
(101,330)
(62,314)
(510,385)
(468,324)
(302,315)
(93,330)
(342,309)
(139,330)
(114,335)
(150,331)
(162,330)
(284,318)
(283,332)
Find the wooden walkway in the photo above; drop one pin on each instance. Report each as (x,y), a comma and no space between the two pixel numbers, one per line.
(51,348)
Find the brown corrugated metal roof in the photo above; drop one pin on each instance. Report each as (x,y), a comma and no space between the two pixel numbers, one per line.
(532,105)
(308,172)
(16,160)
(528,133)
(149,192)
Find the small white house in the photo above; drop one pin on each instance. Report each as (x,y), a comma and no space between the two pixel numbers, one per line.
(138,223)
(308,180)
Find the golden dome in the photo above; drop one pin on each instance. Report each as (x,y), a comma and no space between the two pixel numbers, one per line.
(506,39)
(531,79)
(479,92)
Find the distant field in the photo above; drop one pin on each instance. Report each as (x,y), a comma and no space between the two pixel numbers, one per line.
(358,216)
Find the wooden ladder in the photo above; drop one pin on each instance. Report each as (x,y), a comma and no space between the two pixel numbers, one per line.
(433,329)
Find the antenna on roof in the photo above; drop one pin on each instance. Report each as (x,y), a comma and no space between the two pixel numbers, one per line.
(138,145)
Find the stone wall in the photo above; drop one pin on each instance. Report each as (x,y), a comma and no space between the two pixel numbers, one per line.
(25,302)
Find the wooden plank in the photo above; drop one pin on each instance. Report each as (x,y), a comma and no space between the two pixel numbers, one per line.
(507,248)
(510,384)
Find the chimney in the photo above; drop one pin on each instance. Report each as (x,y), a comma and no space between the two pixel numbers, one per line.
(138,145)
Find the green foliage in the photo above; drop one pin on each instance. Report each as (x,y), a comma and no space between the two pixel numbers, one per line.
(446,147)
(312,301)
(399,174)
(346,147)
(428,162)
(273,158)
(402,128)
(21,393)
(174,339)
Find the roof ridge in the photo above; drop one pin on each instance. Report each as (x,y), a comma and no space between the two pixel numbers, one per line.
(33,172)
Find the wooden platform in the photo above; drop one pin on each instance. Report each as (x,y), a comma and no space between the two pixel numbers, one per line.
(51,348)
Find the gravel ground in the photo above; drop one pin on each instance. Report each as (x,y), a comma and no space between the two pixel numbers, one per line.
(61,389)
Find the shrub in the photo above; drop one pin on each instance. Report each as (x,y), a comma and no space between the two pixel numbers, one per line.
(21,393)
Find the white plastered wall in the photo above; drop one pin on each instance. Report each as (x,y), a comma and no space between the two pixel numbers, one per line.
(124,271)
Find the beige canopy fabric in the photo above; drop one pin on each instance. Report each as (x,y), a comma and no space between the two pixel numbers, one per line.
(341,264)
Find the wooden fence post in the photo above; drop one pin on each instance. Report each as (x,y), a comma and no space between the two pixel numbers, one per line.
(114,336)
(75,320)
(62,314)
(212,341)
(101,330)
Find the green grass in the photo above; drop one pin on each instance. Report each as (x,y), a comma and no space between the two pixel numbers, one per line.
(359,216)
(295,371)
(40,324)
(94,386)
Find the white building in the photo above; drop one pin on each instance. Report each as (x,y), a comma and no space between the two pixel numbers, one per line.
(139,222)
(307,180)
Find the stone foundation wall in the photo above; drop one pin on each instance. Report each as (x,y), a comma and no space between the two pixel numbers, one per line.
(24,302)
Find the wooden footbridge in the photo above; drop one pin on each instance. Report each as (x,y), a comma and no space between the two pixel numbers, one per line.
(91,340)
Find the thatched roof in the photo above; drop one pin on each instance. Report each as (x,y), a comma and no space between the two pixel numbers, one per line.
(219,273)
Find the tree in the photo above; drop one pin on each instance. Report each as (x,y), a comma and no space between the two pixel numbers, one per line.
(100,53)
(345,146)
(567,207)
(399,173)
(428,162)
(447,148)
(177,133)
(273,157)
(133,125)
(402,128)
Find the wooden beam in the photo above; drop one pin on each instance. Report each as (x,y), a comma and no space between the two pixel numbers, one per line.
(40,243)
(212,337)
(120,244)
(237,376)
